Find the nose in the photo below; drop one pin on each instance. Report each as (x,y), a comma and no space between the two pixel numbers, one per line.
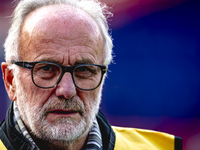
(66,87)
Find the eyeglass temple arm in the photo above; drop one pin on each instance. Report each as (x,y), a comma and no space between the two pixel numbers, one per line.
(24,64)
(105,69)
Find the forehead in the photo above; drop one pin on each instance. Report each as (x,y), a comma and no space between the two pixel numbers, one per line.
(58,16)
(58,25)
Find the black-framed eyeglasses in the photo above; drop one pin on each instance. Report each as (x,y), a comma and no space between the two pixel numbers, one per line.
(48,74)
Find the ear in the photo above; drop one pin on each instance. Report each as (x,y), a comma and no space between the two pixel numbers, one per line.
(9,81)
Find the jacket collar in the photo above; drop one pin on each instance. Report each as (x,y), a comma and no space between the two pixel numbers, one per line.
(107,132)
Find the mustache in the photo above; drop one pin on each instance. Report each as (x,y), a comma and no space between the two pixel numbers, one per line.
(63,104)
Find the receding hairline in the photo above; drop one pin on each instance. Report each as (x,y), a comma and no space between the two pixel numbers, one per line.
(41,13)
(59,10)
(97,10)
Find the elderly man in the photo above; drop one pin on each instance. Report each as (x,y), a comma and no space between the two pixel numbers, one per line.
(57,53)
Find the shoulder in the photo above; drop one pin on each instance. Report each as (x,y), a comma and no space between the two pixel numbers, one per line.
(133,138)
(2,135)
(2,147)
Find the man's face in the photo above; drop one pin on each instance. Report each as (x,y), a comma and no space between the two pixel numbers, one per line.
(67,37)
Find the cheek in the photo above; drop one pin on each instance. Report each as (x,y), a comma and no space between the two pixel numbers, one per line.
(89,97)
(35,95)
(39,96)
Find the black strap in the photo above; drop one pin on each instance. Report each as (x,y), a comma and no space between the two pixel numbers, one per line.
(178,143)
(4,137)
(108,135)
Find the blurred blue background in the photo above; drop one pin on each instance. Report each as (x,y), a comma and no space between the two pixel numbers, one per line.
(157,65)
(154,81)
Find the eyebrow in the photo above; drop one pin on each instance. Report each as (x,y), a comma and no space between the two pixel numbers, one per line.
(50,60)
(85,61)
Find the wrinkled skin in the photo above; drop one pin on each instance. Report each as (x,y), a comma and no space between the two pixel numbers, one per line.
(67,36)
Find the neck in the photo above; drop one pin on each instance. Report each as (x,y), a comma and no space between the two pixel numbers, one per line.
(60,145)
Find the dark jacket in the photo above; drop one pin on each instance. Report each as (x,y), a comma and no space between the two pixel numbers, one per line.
(13,140)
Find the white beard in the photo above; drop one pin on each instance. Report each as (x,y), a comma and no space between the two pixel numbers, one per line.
(62,130)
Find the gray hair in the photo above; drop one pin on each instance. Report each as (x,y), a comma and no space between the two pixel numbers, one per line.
(98,11)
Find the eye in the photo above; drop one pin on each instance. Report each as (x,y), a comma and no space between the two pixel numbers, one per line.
(86,69)
(46,71)
(48,68)
(82,69)
(86,72)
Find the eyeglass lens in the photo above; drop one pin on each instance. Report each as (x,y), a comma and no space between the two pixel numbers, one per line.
(84,77)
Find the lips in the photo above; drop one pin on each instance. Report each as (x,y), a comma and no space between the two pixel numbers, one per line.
(57,116)
(63,112)
(56,109)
